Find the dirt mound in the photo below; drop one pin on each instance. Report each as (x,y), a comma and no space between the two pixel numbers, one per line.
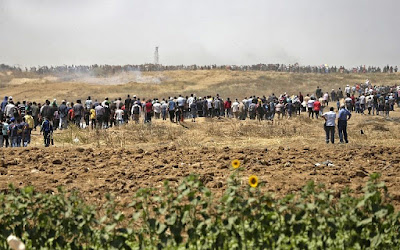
(283,170)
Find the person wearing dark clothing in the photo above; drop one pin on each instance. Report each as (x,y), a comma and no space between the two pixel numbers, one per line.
(35,114)
(4,103)
(47,111)
(344,116)
(78,112)
(47,130)
(128,107)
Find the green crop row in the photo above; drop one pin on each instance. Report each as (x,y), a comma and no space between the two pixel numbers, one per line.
(188,216)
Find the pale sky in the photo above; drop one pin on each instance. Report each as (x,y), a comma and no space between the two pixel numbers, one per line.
(315,32)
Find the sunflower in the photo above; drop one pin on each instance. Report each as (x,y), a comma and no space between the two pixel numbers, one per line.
(253,181)
(235,164)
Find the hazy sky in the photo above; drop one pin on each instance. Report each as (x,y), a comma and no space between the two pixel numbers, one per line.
(338,32)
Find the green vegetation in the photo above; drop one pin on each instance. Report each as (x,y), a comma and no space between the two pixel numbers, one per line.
(188,216)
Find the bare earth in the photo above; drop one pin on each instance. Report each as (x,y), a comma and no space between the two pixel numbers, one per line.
(283,155)
(283,170)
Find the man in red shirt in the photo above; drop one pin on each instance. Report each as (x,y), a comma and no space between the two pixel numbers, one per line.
(149,111)
(227,106)
(317,108)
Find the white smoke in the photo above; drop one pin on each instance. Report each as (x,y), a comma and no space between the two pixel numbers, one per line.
(121,78)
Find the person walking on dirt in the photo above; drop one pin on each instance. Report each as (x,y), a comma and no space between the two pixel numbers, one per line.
(317,108)
(35,114)
(344,116)
(128,107)
(92,117)
(157,109)
(171,109)
(119,116)
(235,109)
(47,130)
(13,132)
(99,115)
(193,109)
(88,103)
(4,103)
(149,111)
(329,125)
(318,92)
(136,112)
(164,108)
(78,110)
(310,106)
(228,107)
(63,114)
(30,122)
(47,111)
(4,131)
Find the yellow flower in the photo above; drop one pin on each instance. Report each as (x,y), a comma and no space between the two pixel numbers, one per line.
(235,164)
(253,181)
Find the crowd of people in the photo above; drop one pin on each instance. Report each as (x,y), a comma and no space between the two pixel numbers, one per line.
(20,118)
(107,70)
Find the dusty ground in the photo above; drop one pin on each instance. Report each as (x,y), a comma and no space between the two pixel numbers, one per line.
(121,172)
(282,155)
(233,84)
(122,160)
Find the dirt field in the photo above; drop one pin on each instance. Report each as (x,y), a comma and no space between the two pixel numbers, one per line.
(233,84)
(283,155)
(283,170)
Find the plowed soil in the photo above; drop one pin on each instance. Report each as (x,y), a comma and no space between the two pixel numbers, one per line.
(283,170)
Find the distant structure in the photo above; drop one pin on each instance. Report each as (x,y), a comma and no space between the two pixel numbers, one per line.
(156,57)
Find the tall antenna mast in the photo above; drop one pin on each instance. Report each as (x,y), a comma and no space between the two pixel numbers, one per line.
(156,57)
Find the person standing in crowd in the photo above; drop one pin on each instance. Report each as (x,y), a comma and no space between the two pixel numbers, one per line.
(92,117)
(193,109)
(228,107)
(4,130)
(171,109)
(119,116)
(164,108)
(35,114)
(136,112)
(148,111)
(99,116)
(235,109)
(31,123)
(329,125)
(78,111)
(279,109)
(317,108)
(47,130)
(4,103)
(63,114)
(310,106)
(157,109)
(47,111)
(13,132)
(9,109)
(344,116)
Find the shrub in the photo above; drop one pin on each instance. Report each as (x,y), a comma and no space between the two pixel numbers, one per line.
(189,216)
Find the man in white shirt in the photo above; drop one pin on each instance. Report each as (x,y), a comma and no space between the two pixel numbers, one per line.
(329,126)
(310,106)
(235,108)
(157,109)
(88,103)
(347,89)
(119,116)
(362,103)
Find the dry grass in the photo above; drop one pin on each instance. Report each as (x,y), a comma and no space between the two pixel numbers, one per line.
(235,84)
(207,132)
